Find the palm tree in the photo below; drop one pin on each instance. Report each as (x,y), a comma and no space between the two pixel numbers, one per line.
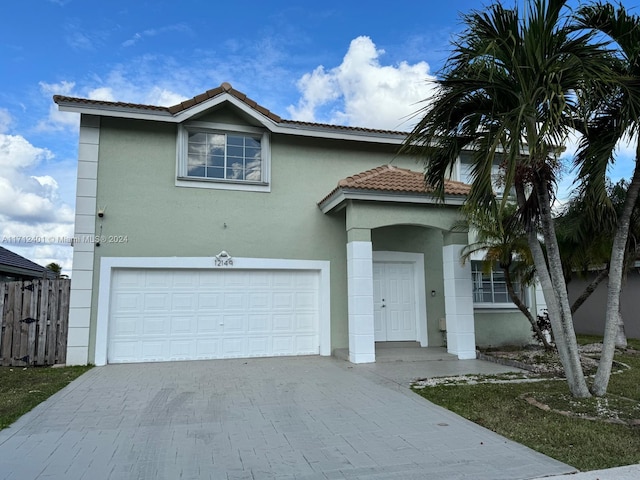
(55,268)
(505,94)
(585,233)
(503,241)
(618,117)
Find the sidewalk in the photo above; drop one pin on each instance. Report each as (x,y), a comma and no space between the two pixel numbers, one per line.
(630,472)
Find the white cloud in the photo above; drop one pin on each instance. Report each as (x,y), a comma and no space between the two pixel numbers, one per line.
(102,93)
(5,120)
(31,210)
(152,32)
(363,92)
(56,120)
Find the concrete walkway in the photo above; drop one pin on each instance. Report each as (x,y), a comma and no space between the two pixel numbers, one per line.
(286,418)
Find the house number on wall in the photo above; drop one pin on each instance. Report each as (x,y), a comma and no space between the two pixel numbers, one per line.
(223,259)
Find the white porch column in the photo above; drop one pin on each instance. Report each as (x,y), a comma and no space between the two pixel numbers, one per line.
(360,298)
(458,298)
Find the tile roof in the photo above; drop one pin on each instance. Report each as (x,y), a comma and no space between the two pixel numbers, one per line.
(214,92)
(15,261)
(389,178)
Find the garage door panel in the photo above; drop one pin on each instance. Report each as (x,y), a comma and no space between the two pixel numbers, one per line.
(305,322)
(152,350)
(283,322)
(157,301)
(186,302)
(305,344)
(181,349)
(126,351)
(131,302)
(154,325)
(234,301)
(207,324)
(157,279)
(234,347)
(184,279)
(126,325)
(182,326)
(259,323)
(209,301)
(200,314)
(284,301)
(207,348)
(259,346)
(259,301)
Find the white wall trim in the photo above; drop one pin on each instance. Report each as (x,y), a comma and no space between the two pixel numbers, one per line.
(417,259)
(107,264)
(84,238)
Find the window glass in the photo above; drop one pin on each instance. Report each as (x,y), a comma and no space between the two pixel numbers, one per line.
(491,286)
(224,156)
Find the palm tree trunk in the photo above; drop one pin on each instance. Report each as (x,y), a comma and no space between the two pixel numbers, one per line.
(616,269)
(589,290)
(621,337)
(555,292)
(515,298)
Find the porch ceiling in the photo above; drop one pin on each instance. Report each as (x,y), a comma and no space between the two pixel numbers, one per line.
(391,184)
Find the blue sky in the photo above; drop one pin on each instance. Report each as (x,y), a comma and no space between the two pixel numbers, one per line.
(348,62)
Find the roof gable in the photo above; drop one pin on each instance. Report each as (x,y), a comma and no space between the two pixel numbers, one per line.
(211,99)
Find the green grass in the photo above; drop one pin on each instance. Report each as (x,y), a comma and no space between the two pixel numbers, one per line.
(21,389)
(584,444)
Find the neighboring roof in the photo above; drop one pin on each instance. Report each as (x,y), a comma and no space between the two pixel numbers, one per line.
(391,180)
(184,110)
(14,264)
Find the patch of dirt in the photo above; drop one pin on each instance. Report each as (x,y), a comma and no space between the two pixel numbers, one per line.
(545,363)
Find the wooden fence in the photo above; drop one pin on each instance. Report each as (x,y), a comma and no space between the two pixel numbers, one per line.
(34,318)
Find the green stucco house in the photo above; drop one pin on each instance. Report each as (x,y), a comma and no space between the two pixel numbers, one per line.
(216,229)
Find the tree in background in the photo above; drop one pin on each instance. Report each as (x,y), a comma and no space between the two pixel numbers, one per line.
(56,268)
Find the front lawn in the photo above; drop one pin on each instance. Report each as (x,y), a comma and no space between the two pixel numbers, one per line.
(21,389)
(554,423)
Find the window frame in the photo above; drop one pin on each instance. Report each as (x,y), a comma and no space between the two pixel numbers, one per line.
(184,180)
(495,305)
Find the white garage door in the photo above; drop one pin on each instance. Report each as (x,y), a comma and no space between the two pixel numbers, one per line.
(163,315)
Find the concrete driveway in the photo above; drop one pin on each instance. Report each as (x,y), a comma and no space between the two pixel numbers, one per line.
(285,418)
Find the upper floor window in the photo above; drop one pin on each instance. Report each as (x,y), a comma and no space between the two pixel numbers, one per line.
(224,156)
(224,159)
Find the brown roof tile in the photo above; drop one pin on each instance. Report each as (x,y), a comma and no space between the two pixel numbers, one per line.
(224,88)
(389,178)
(393,179)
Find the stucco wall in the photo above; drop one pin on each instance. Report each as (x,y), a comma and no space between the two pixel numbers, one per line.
(589,319)
(137,169)
(495,328)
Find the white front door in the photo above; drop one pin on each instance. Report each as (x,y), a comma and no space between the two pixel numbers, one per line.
(394,302)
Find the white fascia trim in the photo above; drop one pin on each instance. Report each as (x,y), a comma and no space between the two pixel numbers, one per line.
(417,259)
(346,194)
(119,112)
(107,264)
